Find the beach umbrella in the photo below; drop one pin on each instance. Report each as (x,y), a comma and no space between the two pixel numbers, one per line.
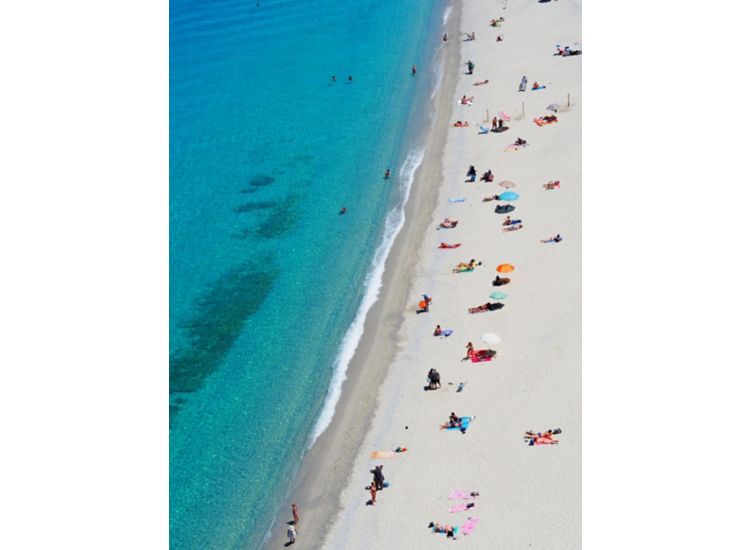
(553,107)
(505,268)
(505,116)
(507,184)
(490,338)
(508,196)
(497,295)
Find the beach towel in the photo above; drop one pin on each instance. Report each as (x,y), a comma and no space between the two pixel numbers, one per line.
(482,359)
(539,88)
(463,269)
(512,147)
(461,507)
(382,454)
(468,527)
(483,130)
(462,495)
(447,332)
(465,421)
(457,200)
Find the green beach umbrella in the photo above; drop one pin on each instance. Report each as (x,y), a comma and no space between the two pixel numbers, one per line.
(498,295)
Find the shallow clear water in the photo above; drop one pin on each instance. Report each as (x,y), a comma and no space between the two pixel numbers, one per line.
(265,276)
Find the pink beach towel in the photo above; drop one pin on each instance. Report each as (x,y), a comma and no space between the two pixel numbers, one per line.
(460,507)
(460,495)
(468,527)
(383,454)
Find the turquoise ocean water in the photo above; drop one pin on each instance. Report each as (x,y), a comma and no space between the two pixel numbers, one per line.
(268,284)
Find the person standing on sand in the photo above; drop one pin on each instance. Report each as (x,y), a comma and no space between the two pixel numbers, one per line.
(373,493)
(295,513)
(291,533)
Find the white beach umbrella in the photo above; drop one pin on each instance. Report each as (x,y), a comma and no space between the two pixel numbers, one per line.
(490,338)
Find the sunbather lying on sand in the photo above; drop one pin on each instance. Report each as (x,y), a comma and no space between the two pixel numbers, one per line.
(481,82)
(449,530)
(520,142)
(489,306)
(496,22)
(469,36)
(500,281)
(566,51)
(552,185)
(556,239)
(508,221)
(459,124)
(544,120)
(448,224)
(460,268)
(491,198)
(513,228)
(546,438)
(446,245)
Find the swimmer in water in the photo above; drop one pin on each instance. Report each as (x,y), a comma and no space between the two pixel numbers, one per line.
(387,174)
(413,69)
(342,211)
(351,79)
(333,78)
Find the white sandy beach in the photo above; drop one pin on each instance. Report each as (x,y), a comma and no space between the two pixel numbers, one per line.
(530,496)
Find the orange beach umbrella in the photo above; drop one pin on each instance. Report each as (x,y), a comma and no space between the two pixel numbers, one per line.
(505,268)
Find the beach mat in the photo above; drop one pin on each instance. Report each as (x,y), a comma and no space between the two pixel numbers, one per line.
(463,495)
(465,421)
(461,507)
(468,527)
(383,454)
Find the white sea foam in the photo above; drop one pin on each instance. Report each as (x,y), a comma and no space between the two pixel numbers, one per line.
(447,14)
(438,70)
(394,221)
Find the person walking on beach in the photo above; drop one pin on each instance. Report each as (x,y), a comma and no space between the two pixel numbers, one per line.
(291,534)
(373,493)
(295,513)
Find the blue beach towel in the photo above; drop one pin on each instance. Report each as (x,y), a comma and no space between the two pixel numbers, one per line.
(465,421)
(456,200)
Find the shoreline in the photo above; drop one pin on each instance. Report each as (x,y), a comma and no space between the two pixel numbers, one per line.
(325,469)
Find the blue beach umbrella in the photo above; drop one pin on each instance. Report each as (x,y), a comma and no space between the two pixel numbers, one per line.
(498,295)
(508,196)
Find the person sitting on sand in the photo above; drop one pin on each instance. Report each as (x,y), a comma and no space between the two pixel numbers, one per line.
(499,38)
(556,239)
(471,174)
(453,420)
(469,350)
(467,100)
(535,85)
(424,304)
(438,331)
(434,379)
(479,83)
(500,281)
(520,142)
(488,176)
